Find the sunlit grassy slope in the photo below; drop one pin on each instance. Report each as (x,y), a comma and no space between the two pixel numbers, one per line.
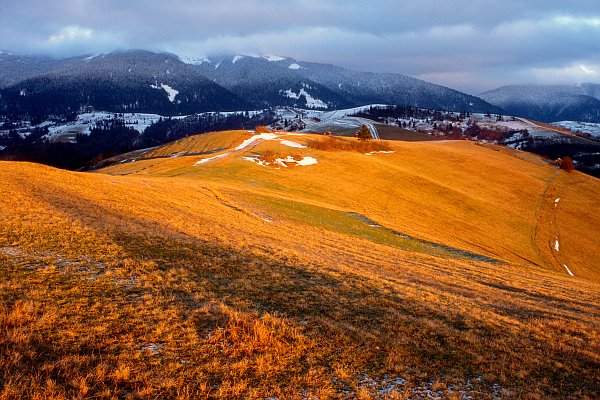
(491,201)
(431,270)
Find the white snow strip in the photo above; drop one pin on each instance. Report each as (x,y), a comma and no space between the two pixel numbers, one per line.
(294,66)
(289,143)
(556,244)
(568,270)
(170,92)
(307,161)
(205,160)
(236,59)
(248,142)
(91,57)
(272,58)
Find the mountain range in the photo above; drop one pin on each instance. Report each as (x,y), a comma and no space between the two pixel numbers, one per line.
(272,80)
(162,83)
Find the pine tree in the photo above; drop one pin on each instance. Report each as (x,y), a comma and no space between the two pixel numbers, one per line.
(364,133)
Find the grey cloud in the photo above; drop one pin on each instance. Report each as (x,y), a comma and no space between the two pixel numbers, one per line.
(470,45)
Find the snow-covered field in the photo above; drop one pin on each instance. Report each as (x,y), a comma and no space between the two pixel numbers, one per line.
(68,131)
(592,129)
(85,122)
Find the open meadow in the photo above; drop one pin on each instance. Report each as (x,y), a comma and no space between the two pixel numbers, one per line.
(299,266)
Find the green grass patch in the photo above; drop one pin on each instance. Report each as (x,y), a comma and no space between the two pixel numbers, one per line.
(357,225)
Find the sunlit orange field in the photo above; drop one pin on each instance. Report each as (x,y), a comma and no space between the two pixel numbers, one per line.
(296,266)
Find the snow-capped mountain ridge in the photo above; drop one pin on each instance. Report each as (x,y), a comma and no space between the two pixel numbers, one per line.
(124,81)
(269,79)
(549,103)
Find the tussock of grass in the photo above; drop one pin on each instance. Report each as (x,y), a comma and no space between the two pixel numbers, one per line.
(331,143)
(270,157)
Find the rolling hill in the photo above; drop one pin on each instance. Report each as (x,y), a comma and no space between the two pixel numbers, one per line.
(232,265)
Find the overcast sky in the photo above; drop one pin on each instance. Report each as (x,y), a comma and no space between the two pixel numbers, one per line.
(472,45)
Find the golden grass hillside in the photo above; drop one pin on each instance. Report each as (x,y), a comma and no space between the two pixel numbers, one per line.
(490,201)
(355,277)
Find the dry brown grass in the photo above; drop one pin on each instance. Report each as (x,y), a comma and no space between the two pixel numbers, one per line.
(176,287)
(333,143)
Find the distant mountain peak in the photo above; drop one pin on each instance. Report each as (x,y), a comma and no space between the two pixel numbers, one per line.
(549,103)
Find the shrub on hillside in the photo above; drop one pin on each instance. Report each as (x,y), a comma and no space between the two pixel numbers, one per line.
(332,143)
(566,163)
(262,129)
(269,157)
(364,134)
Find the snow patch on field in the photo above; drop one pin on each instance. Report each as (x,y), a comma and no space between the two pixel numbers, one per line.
(85,122)
(397,387)
(236,59)
(380,152)
(271,136)
(294,66)
(568,270)
(556,245)
(284,162)
(205,160)
(307,161)
(289,143)
(248,142)
(154,348)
